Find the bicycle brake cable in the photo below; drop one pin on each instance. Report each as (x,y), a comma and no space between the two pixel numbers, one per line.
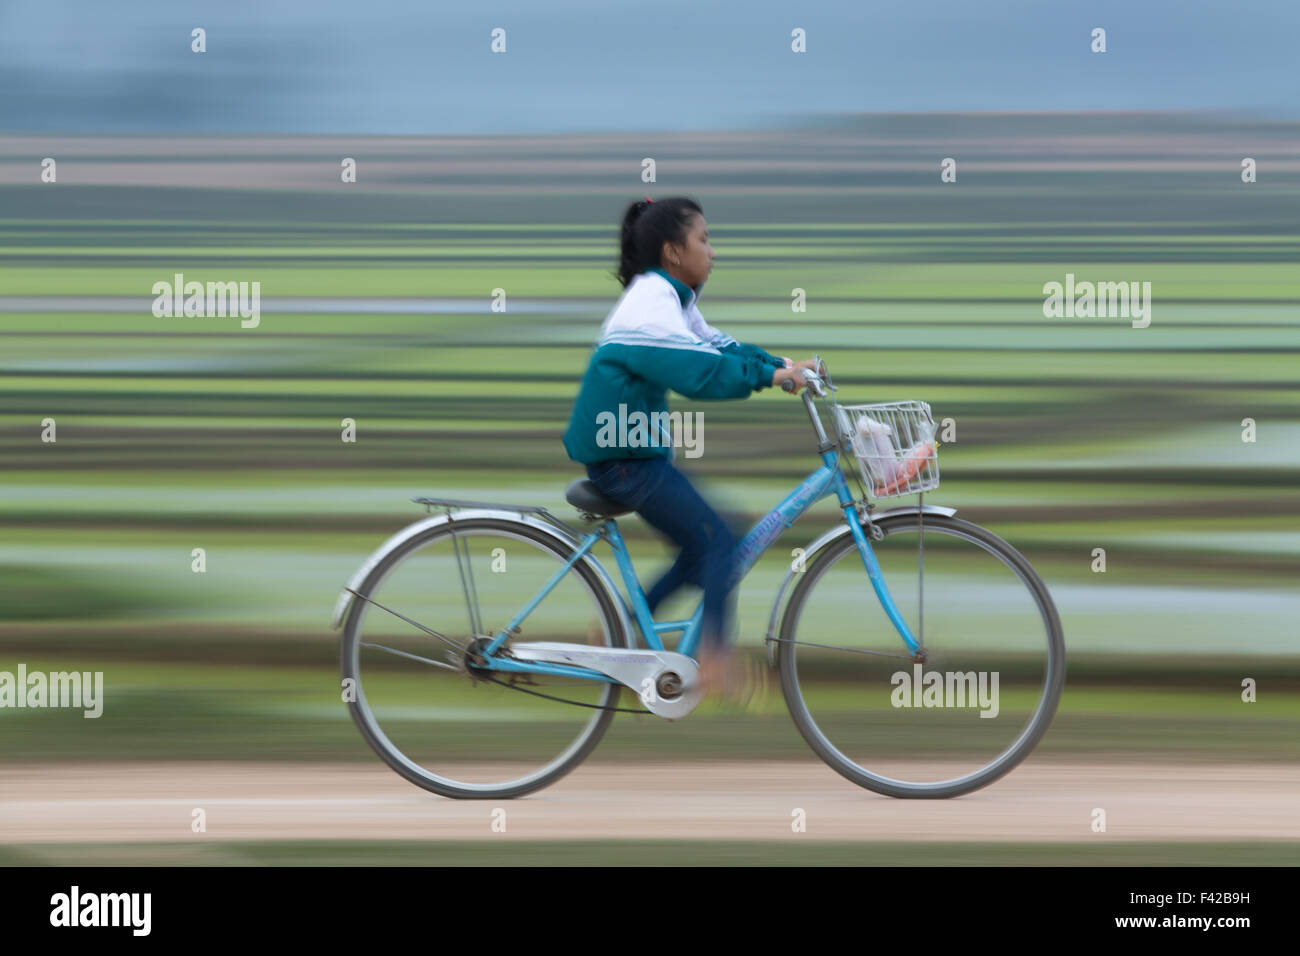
(562,700)
(836,647)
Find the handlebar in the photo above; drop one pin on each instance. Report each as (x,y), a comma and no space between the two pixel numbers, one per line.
(814,381)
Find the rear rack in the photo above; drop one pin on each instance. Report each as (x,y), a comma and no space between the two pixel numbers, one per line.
(462,503)
(450,503)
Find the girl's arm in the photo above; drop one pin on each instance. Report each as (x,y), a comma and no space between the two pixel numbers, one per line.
(725,343)
(697,373)
(773,360)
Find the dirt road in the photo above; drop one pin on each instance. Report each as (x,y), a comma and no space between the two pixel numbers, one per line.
(724,801)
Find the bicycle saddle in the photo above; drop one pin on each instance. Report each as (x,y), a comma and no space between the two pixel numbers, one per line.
(586,497)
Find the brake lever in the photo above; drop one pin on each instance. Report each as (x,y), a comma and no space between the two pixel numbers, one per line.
(811,379)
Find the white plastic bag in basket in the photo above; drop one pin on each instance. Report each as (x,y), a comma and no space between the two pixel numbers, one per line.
(879,449)
(893,469)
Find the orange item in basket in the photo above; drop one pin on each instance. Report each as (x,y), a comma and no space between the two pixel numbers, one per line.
(908,468)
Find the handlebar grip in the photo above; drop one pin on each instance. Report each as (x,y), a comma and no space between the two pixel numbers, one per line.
(787,386)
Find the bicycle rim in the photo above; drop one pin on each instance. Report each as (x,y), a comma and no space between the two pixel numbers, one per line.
(995,660)
(428,715)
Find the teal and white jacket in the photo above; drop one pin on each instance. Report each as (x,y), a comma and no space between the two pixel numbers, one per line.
(655,339)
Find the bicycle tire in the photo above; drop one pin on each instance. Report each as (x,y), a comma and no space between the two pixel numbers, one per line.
(353,638)
(1053,678)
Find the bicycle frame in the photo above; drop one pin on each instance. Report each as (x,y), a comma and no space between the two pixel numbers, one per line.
(604,647)
(826,480)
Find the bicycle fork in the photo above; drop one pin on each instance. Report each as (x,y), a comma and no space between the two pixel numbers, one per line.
(877,578)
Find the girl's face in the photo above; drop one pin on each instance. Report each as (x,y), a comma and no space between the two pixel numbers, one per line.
(691,261)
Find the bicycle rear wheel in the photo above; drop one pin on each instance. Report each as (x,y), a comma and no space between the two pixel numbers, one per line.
(431,717)
(977,706)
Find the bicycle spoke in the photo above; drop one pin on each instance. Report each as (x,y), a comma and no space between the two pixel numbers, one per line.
(414,657)
(428,630)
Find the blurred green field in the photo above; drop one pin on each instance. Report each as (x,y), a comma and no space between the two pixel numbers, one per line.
(292,712)
(1070,434)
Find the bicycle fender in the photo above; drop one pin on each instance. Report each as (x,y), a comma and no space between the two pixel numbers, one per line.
(346,597)
(818,545)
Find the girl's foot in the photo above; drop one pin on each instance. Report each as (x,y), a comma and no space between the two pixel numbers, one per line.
(730,677)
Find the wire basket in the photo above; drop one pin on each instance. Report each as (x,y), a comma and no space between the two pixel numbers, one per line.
(894,445)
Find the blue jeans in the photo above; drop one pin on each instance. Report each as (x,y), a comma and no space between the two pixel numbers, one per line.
(669,503)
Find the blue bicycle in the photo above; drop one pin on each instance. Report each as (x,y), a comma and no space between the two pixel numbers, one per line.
(485,649)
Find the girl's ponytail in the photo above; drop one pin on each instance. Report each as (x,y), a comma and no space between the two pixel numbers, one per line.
(647,225)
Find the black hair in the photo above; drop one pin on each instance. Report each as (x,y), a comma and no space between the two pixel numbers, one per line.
(646,227)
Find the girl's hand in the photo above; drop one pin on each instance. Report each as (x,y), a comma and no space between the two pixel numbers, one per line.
(790,374)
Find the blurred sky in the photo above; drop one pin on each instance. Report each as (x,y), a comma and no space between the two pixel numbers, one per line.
(421,67)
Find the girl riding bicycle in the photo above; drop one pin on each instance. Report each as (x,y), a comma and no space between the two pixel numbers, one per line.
(655,339)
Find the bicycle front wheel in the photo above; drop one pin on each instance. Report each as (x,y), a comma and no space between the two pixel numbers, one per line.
(992,675)
(407,659)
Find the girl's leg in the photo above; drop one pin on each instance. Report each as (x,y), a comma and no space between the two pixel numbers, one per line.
(667,501)
(683,571)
